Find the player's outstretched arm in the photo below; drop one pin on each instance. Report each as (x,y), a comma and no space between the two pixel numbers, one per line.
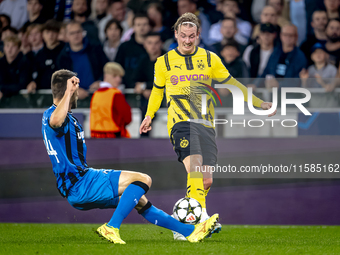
(59,114)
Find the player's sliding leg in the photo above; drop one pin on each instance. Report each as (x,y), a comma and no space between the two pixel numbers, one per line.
(132,186)
(193,233)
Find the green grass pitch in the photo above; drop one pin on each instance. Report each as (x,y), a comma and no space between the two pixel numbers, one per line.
(149,239)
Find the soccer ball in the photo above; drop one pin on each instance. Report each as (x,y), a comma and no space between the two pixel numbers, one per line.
(187,210)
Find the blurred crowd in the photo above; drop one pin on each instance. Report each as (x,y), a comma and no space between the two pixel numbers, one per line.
(270,39)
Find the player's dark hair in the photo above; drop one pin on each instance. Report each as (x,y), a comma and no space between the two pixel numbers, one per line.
(8,18)
(141,15)
(187,17)
(59,82)
(51,25)
(114,21)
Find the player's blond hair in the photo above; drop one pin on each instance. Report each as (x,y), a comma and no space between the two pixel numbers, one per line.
(114,69)
(187,19)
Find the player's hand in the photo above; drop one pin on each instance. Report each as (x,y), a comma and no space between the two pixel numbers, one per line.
(146,125)
(72,85)
(267,106)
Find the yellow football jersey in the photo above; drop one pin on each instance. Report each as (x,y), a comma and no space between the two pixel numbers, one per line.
(186,79)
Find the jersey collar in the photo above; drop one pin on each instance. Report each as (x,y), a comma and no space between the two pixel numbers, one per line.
(176,49)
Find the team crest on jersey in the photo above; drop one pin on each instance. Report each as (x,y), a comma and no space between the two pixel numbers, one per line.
(184,143)
(200,65)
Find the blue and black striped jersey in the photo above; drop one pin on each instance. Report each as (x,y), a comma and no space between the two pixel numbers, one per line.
(66,148)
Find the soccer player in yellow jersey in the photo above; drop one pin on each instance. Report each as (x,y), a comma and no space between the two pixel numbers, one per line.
(186,72)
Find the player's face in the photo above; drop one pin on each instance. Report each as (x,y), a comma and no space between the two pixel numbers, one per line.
(186,37)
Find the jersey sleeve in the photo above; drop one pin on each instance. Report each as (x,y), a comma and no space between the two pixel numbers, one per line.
(222,75)
(157,92)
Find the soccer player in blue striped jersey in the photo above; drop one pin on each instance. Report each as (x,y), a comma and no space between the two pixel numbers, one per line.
(87,188)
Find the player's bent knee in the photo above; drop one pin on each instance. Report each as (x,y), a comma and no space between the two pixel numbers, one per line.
(146,179)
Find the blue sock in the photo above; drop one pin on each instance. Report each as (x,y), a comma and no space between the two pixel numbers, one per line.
(160,218)
(128,201)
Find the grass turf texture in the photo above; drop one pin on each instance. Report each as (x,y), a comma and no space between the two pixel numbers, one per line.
(150,239)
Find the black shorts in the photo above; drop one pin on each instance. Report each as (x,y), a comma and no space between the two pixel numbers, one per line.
(190,138)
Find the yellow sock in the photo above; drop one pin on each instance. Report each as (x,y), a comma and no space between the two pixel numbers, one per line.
(195,188)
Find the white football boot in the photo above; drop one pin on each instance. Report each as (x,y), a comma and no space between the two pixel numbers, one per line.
(205,216)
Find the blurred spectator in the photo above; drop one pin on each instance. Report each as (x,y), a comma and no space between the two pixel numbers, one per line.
(62,33)
(100,9)
(35,15)
(231,9)
(228,31)
(35,39)
(184,6)
(298,17)
(5,20)
(333,42)
(113,32)
(14,69)
(130,52)
(256,56)
(25,45)
(155,14)
(144,74)
(332,8)
(319,22)
(8,31)
(16,10)
(63,9)
(232,61)
(268,15)
(79,13)
(85,59)
(45,60)
(110,113)
(320,70)
(286,61)
(117,10)
(278,6)
(129,31)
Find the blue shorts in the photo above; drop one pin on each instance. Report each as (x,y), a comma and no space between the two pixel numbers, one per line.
(97,189)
